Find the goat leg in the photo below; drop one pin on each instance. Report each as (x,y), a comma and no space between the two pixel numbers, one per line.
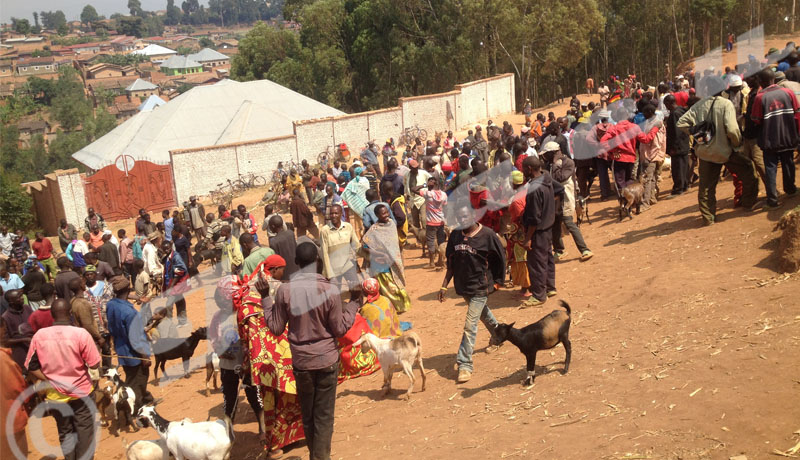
(568,348)
(185,368)
(531,367)
(409,371)
(421,370)
(387,383)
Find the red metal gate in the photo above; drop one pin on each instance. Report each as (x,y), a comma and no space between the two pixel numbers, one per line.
(118,191)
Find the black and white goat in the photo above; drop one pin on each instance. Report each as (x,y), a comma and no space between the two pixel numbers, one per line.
(123,400)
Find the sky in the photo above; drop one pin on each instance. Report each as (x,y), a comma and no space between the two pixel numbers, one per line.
(72,8)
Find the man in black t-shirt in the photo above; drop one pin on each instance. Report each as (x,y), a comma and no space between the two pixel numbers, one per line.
(481,260)
(538,219)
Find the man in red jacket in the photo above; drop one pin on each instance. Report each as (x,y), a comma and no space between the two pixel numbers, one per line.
(619,143)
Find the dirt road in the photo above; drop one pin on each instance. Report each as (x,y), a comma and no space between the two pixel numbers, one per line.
(685,345)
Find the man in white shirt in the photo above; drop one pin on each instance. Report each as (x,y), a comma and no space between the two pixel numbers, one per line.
(152,265)
(6,240)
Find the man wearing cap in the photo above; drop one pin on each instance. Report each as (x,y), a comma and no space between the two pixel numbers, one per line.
(562,170)
(130,342)
(777,112)
(197,215)
(719,151)
(152,265)
(538,218)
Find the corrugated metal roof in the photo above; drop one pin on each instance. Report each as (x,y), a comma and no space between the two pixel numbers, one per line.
(151,103)
(140,85)
(180,62)
(223,113)
(154,50)
(207,54)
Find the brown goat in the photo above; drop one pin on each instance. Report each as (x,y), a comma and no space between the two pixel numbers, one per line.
(632,195)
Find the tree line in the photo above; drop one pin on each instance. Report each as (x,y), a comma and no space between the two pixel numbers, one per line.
(363,54)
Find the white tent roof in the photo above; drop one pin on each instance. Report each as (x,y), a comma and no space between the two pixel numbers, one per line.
(154,50)
(223,113)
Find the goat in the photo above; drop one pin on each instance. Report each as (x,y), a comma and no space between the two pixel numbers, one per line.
(188,440)
(394,354)
(155,449)
(541,335)
(123,400)
(212,370)
(631,196)
(103,398)
(169,348)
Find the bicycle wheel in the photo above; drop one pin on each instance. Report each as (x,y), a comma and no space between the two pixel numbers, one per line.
(240,185)
(276,176)
(423,135)
(258,181)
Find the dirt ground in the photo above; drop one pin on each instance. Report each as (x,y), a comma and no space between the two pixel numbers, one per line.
(684,338)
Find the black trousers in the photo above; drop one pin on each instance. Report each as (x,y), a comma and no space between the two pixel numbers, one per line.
(136,377)
(230,391)
(75,424)
(105,351)
(541,265)
(680,173)
(316,390)
(585,173)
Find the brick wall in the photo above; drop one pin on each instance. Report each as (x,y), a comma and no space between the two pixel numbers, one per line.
(432,113)
(313,137)
(262,157)
(352,130)
(73,196)
(198,171)
(383,124)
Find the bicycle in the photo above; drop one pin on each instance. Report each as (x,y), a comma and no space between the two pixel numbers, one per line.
(410,134)
(248,181)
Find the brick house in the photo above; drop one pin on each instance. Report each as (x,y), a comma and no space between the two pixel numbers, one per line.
(36,66)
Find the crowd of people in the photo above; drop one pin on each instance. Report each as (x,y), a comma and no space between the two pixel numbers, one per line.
(288,309)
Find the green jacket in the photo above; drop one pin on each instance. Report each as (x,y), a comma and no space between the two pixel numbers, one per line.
(727,136)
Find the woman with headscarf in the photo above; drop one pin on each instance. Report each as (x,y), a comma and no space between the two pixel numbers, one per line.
(386,263)
(267,360)
(355,196)
(378,311)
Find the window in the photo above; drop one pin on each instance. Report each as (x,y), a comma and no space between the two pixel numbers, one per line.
(36,67)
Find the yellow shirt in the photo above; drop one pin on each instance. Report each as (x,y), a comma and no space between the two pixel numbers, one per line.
(339,246)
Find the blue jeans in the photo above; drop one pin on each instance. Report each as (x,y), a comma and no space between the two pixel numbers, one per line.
(476,308)
(771,159)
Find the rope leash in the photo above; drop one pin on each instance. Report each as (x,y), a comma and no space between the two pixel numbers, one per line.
(124,357)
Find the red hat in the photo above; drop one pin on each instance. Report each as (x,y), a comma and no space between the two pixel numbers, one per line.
(412,163)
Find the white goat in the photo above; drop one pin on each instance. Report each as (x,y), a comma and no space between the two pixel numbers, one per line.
(191,441)
(155,449)
(395,354)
